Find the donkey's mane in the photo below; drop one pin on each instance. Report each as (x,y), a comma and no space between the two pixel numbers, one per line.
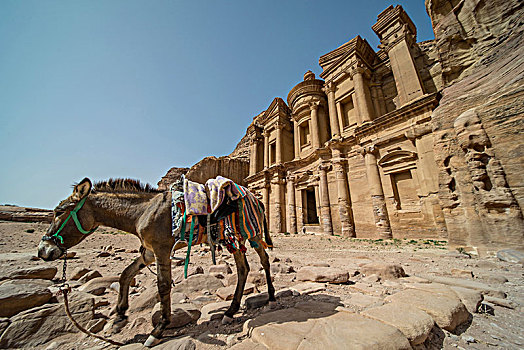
(124,185)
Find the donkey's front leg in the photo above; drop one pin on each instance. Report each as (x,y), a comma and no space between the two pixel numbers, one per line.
(164,291)
(242,271)
(146,257)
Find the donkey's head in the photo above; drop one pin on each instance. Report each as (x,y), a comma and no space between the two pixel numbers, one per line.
(72,222)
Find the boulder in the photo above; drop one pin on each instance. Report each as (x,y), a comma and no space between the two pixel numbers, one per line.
(79,272)
(256,301)
(180,316)
(198,283)
(481,287)
(383,270)
(191,271)
(20,295)
(448,313)
(414,323)
(39,325)
(462,273)
(89,276)
(281,268)
(322,274)
(33,272)
(98,286)
(222,268)
(227,293)
(469,297)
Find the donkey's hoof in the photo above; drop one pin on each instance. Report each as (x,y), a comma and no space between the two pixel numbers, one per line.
(151,341)
(272,305)
(117,324)
(227,319)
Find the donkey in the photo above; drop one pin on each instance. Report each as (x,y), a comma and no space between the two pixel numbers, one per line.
(145,212)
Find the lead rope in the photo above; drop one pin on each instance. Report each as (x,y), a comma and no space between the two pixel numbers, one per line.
(64,290)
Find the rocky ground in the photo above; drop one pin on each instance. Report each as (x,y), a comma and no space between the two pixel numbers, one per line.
(333,292)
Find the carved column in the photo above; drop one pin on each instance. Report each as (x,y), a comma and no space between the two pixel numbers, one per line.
(329,89)
(266,149)
(299,202)
(362,93)
(279,127)
(296,139)
(378,103)
(291,218)
(253,158)
(277,215)
(344,203)
(315,132)
(357,108)
(325,207)
(377,194)
(265,194)
(340,116)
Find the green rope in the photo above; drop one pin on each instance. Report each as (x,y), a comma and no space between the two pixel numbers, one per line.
(193,219)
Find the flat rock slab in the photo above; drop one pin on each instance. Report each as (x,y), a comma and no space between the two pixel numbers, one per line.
(382,270)
(198,283)
(248,344)
(20,295)
(227,293)
(322,274)
(297,329)
(481,287)
(414,323)
(184,343)
(39,325)
(362,301)
(180,316)
(511,255)
(213,311)
(308,287)
(447,312)
(35,272)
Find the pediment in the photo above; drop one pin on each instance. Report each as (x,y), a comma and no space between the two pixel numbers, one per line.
(397,157)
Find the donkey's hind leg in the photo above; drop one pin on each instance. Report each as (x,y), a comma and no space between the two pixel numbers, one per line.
(242,271)
(146,257)
(264,260)
(164,291)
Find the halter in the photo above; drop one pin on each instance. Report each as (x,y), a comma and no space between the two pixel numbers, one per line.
(75,219)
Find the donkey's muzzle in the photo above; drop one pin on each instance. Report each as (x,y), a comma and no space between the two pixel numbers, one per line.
(48,251)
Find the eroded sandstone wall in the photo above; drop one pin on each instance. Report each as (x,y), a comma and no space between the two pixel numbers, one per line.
(478,124)
(210,167)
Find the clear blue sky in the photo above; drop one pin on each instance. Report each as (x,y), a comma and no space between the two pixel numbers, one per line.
(132,88)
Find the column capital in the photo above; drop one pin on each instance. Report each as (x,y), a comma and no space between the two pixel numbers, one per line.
(359,68)
(290,178)
(323,167)
(329,87)
(280,125)
(370,149)
(314,105)
(266,133)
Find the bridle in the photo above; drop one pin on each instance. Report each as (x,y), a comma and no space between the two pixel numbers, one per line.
(56,237)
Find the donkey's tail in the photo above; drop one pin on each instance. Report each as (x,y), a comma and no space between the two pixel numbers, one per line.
(267,237)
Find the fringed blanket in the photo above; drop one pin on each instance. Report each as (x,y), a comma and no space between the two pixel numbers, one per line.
(244,223)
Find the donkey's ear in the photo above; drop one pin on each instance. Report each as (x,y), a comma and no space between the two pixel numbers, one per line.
(82,189)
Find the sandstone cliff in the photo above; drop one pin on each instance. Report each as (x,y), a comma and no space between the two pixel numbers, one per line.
(478,124)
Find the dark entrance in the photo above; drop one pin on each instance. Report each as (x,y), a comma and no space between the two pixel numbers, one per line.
(310,206)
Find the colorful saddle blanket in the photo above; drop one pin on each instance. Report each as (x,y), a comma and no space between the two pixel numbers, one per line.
(244,223)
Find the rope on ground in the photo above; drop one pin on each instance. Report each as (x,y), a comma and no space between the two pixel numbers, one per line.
(67,289)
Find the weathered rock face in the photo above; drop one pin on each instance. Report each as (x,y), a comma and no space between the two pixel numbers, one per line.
(172,175)
(21,214)
(210,167)
(477,126)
